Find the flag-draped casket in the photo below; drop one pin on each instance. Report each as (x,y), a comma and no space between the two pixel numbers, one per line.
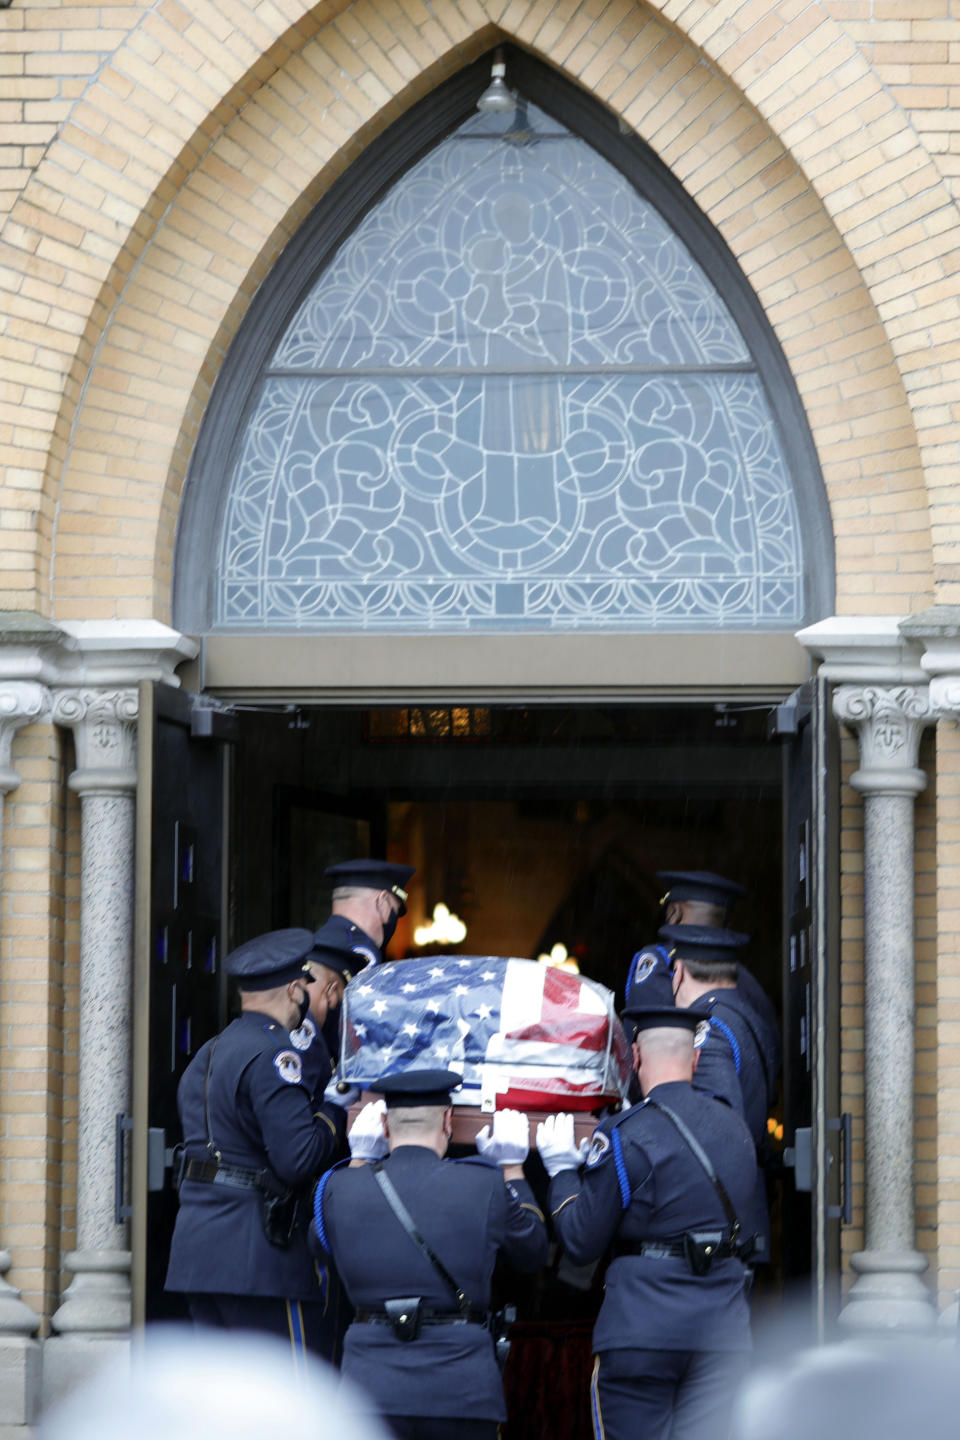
(522,1035)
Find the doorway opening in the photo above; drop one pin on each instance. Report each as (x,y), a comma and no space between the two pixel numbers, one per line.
(538,826)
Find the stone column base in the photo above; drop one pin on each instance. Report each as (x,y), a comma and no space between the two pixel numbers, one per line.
(69,1360)
(20,1368)
(888,1298)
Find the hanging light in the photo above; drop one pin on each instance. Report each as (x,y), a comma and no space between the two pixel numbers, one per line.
(560,959)
(444,929)
(496,99)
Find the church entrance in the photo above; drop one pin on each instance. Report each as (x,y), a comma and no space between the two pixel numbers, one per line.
(541,828)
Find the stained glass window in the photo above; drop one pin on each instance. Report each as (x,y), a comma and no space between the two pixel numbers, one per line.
(513,400)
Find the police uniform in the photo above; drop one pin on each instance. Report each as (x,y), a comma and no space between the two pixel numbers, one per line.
(710,889)
(669,1343)
(253,1143)
(739,1058)
(342,932)
(308,1039)
(445,1382)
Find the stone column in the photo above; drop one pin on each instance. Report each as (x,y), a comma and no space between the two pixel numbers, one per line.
(21,703)
(96,1305)
(889,1294)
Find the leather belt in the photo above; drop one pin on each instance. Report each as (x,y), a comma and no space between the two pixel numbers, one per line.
(427,1317)
(214,1172)
(668,1249)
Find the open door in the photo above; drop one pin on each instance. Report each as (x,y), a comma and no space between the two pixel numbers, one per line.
(180,986)
(816,1137)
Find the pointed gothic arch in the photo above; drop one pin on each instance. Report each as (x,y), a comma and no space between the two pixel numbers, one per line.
(742,541)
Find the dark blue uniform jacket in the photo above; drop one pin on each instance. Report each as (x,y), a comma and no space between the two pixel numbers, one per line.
(655,1190)
(466,1214)
(260,1115)
(314,1057)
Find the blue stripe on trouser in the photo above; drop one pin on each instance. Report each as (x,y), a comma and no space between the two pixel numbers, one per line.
(295,1322)
(595,1415)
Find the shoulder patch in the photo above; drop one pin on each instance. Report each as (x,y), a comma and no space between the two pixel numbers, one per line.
(599,1147)
(646,965)
(305,1036)
(701,1034)
(288,1066)
(368,956)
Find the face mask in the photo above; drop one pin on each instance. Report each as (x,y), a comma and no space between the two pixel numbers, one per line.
(303,1007)
(389,925)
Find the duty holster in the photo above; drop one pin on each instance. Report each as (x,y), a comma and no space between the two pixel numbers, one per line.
(500,1323)
(279,1210)
(700,1248)
(404,1316)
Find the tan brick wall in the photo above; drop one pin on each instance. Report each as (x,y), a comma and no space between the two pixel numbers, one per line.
(32,1016)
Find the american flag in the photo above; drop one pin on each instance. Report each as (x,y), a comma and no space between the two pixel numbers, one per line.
(522,1034)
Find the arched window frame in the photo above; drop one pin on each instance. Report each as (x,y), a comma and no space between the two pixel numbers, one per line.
(350,198)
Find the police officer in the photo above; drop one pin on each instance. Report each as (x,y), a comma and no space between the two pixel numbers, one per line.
(414,1238)
(332,965)
(369,896)
(699,897)
(665,1182)
(705,973)
(253,1142)
(691,897)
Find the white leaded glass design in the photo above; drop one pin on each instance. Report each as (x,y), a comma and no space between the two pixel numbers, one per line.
(513,400)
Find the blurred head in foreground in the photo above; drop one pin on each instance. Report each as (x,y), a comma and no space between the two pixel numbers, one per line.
(885,1390)
(187,1384)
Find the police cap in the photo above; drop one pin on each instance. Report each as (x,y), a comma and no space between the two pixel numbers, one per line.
(270,960)
(372,875)
(706,943)
(411,1088)
(650,973)
(329,949)
(662,1017)
(699,885)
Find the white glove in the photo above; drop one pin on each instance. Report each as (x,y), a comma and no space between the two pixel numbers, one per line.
(558,1149)
(334,1097)
(510,1142)
(367,1140)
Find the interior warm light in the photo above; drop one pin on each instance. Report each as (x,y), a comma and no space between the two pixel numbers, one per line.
(560,959)
(444,929)
(774,1128)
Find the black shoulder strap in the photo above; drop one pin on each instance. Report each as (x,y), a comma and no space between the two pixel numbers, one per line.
(687,1135)
(409,1225)
(211,1144)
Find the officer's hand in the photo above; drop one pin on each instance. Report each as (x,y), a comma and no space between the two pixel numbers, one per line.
(557,1146)
(367,1140)
(510,1142)
(333,1096)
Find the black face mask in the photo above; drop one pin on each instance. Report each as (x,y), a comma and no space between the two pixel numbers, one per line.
(389,925)
(304,1006)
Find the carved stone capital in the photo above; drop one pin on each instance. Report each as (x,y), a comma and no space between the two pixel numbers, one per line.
(104,725)
(889,721)
(21,702)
